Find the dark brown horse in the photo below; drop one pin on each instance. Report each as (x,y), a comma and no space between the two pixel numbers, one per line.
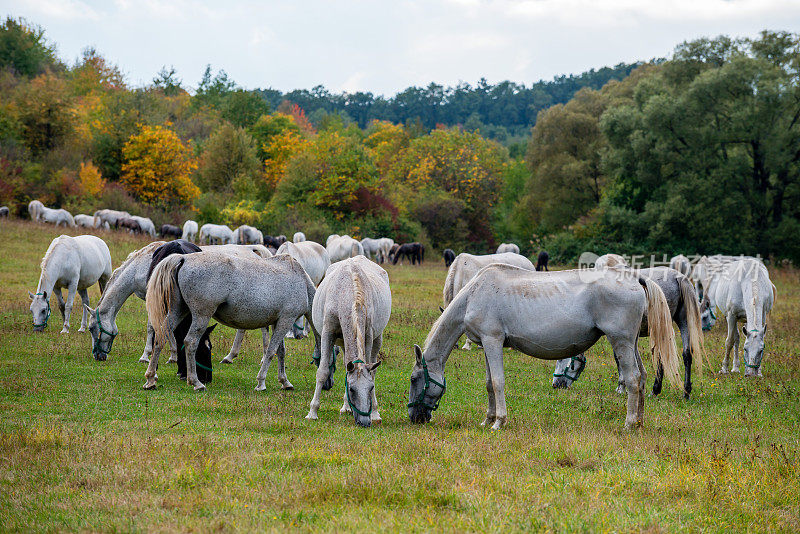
(170,230)
(413,251)
(131,224)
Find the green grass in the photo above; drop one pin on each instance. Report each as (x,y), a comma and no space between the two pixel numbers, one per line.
(83,447)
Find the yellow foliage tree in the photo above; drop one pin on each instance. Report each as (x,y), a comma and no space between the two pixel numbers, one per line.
(280,148)
(157,168)
(92,181)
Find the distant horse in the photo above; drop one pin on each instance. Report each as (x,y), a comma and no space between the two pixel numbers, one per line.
(274,242)
(215,232)
(109,217)
(507,247)
(344,247)
(247,235)
(413,251)
(681,264)
(372,247)
(84,221)
(74,263)
(170,230)
(352,308)
(393,251)
(298,237)
(542,261)
(610,260)
(314,258)
(331,238)
(189,230)
(146,225)
(386,244)
(130,224)
(4,211)
(449,257)
(35,208)
(57,217)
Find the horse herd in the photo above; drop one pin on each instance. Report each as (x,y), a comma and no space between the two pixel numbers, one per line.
(341,298)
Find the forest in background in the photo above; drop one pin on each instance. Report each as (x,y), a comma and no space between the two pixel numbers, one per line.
(695,154)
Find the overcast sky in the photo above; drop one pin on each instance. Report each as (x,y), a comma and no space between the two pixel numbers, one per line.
(385,46)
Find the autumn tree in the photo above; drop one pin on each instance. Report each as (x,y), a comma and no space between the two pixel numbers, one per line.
(91,180)
(44,112)
(229,162)
(158,167)
(24,49)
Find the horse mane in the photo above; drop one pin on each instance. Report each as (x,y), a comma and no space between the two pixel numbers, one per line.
(46,257)
(358,303)
(147,249)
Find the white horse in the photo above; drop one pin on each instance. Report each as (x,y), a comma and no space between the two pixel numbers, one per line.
(744,292)
(386,245)
(57,217)
(189,231)
(74,263)
(372,247)
(35,210)
(315,260)
(343,247)
(215,232)
(507,247)
(331,238)
(466,266)
(298,237)
(681,264)
(352,307)
(246,235)
(146,224)
(610,260)
(109,217)
(257,293)
(552,315)
(84,221)
(705,276)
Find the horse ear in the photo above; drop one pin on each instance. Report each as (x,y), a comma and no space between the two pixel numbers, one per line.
(44,295)
(211,328)
(350,367)
(418,352)
(30,295)
(371,367)
(744,330)
(88,309)
(441,310)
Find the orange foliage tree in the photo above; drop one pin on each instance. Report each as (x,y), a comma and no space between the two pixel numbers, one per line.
(157,168)
(91,180)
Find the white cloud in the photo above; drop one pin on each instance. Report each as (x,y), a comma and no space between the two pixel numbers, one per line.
(62,9)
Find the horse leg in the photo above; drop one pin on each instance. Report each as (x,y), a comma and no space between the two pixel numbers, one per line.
(621,379)
(85,316)
(237,345)
(103,282)
(191,341)
(375,350)
(148,343)
(152,366)
(635,379)
(493,350)
(491,410)
(60,299)
(733,336)
(276,339)
(71,291)
(285,384)
(735,368)
(687,358)
(173,320)
(323,371)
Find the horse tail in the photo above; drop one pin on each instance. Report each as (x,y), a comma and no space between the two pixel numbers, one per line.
(161,289)
(449,283)
(692,307)
(662,336)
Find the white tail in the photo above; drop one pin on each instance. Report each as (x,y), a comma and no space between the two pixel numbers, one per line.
(160,290)
(662,336)
(692,308)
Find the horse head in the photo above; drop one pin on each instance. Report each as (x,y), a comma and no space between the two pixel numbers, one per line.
(359,388)
(426,390)
(753,349)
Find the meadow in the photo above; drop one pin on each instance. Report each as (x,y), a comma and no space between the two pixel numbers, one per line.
(84,448)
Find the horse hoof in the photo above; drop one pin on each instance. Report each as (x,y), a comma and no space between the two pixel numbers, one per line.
(487,422)
(735,370)
(376,420)
(226,360)
(144,359)
(200,387)
(287,385)
(498,424)
(345,409)
(64,331)
(312,416)
(149,385)
(81,329)
(261,387)
(723,371)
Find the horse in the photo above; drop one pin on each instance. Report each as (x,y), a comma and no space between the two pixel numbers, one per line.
(449,257)
(705,275)
(413,251)
(344,247)
(274,242)
(372,247)
(84,221)
(314,258)
(386,244)
(466,266)
(298,237)
(542,260)
(74,263)
(215,232)
(129,223)
(170,230)
(247,235)
(610,260)
(4,212)
(189,230)
(744,292)
(352,307)
(681,264)
(393,251)
(57,217)
(109,217)
(256,293)
(35,208)
(573,309)
(507,247)
(685,312)
(145,224)
(331,238)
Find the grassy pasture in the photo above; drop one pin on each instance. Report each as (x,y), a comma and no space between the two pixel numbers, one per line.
(84,448)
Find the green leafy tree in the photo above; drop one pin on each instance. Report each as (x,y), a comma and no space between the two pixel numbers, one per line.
(229,162)
(24,49)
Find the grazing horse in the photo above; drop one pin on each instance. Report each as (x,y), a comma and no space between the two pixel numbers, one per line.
(744,292)
(542,260)
(573,309)
(129,223)
(170,230)
(74,263)
(189,231)
(109,217)
(386,245)
(315,260)
(372,247)
(274,242)
(4,211)
(215,232)
(681,264)
(57,217)
(466,266)
(344,247)
(413,251)
(146,225)
(256,293)
(449,257)
(610,260)
(352,308)
(331,238)
(685,312)
(84,221)
(393,251)
(35,208)
(507,247)
(298,237)
(247,235)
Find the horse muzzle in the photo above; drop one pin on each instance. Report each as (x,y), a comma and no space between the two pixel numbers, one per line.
(363,421)
(100,356)
(38,328)
(561,383)
(419,417)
